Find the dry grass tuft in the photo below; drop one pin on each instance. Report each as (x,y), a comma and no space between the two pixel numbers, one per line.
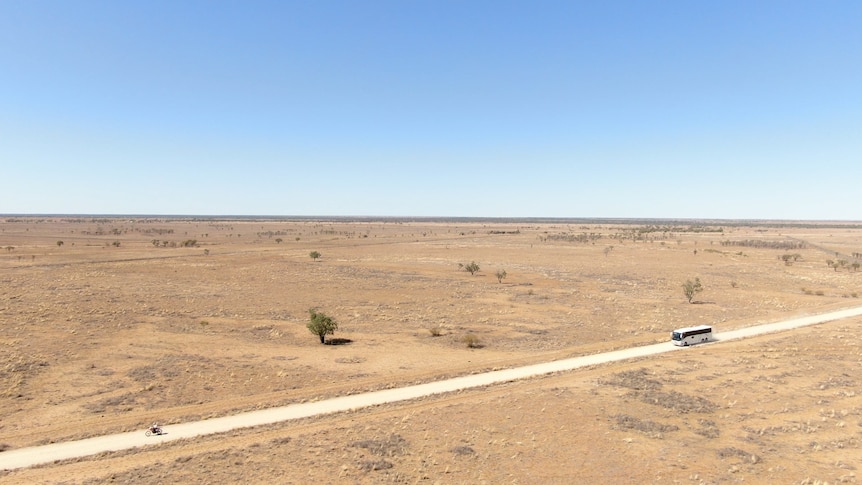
(677,401)
(633,379)
(394,445)
(649,428)
(731,452)
(375,465)
(471,341)
(463,450)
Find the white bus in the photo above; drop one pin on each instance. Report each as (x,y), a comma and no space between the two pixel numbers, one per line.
(691,335)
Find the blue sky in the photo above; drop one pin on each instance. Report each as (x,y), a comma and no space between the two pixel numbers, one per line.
(689,109)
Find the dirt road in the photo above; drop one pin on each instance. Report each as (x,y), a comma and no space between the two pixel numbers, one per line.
(25,457)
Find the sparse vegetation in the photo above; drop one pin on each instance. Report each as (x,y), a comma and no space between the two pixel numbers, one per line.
(731,452)
(691,288)
(649,428)
(321,324)
(791,396)
(463,450)
(471,268)
(789,259)
(501,275)
(761,244)
(314,255)
(471,341)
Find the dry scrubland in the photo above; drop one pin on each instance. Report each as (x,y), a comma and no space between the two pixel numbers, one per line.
(131,321)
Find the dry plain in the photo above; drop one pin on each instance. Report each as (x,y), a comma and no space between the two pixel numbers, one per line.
(108,324)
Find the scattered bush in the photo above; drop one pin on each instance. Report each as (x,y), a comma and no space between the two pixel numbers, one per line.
(690,288)
(501,275)
(471,268)
(471,341)
(789,259)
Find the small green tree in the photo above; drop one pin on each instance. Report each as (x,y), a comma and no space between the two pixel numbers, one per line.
(501,275)
(691,288)
(472,268)
(321,324)
(314,255)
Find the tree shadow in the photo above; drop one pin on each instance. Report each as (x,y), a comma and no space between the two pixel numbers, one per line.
(699,302)
(339,341)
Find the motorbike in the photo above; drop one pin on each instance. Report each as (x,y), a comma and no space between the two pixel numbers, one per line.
(155,430)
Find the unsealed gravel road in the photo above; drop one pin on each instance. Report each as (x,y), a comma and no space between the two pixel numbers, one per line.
(36,455)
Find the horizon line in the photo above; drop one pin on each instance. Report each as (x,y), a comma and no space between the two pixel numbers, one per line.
(440,218)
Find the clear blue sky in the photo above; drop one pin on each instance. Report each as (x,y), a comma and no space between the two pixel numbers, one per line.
(668,109)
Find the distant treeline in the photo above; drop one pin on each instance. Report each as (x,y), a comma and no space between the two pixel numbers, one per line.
(581,238)
(695,229)
(757,243)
